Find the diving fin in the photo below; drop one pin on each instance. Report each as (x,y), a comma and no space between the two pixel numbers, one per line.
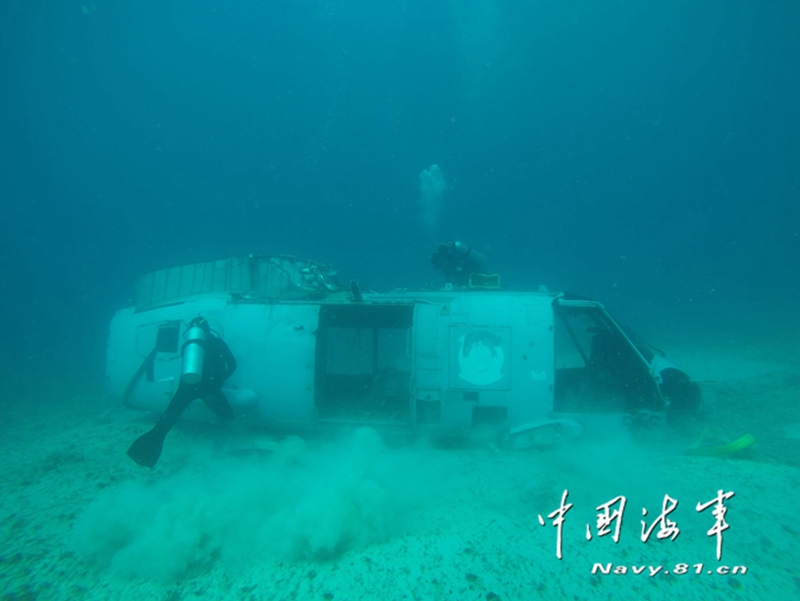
(146,449)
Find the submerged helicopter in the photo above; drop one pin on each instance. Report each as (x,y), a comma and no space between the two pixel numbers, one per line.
(533,367)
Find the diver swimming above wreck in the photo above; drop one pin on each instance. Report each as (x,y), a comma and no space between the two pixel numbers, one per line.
(469,355)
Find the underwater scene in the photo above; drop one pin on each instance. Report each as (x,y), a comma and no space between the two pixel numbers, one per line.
(400,300)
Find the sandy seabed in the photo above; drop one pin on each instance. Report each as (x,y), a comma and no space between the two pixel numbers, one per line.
(255,516)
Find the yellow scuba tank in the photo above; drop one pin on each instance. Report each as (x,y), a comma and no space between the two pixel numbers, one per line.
(193,352)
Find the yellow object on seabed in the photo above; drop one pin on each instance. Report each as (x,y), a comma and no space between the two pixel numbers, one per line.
(720,450)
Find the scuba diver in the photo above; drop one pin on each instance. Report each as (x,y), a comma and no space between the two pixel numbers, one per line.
(457,261)
(207,363)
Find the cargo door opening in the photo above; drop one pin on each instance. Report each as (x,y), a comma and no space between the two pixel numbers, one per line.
(363,363)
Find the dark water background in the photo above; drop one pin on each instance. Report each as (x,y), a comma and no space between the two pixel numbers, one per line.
(644,153)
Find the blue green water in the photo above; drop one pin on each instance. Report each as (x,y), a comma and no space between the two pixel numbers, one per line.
(638,153)
(645,154)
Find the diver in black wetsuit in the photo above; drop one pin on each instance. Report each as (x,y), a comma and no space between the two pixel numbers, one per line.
(456,261)
(218,365)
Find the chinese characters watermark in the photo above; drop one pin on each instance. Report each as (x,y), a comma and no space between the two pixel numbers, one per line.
(720,525)
(612,512)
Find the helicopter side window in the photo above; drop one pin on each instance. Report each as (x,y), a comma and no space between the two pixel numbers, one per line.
(168,337)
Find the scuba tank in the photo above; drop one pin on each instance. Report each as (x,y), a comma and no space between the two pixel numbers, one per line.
(193,352)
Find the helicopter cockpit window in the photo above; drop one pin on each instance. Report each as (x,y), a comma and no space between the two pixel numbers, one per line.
(598,369)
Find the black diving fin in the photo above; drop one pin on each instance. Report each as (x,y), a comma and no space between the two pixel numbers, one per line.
(146,449)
